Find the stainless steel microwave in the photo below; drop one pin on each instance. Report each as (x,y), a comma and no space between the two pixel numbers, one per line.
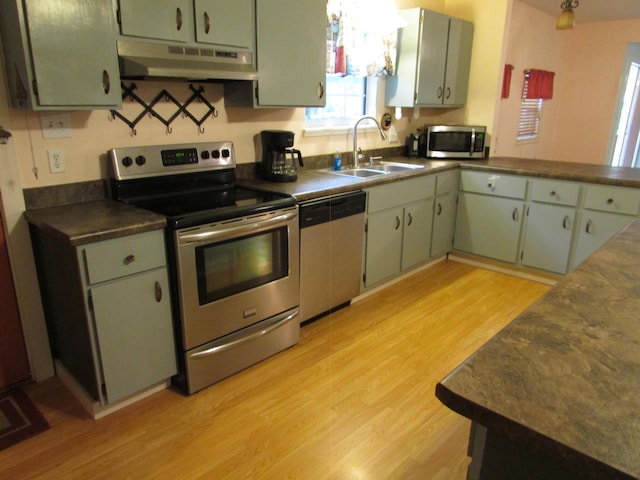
(455,141)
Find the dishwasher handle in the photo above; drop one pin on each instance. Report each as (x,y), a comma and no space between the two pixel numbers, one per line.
(315,212)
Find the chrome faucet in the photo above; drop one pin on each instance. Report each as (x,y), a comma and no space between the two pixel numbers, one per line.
(355,138)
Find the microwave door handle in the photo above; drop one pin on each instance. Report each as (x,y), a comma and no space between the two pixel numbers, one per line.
(473,142)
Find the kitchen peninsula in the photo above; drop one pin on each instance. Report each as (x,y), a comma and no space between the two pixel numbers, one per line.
(555,394)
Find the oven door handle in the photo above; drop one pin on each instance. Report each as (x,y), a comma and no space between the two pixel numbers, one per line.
(224,232)
(234,343)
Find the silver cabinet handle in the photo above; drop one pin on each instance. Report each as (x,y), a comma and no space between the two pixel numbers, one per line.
(397,222)
(566,222)
(158,292)
(106,82)
(448,93)
(410,219)
(515,215)
(439,209)
(589,227)
(439,92)
(320,90)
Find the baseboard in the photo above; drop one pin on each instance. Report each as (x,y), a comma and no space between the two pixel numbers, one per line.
(547,279)
(91,406)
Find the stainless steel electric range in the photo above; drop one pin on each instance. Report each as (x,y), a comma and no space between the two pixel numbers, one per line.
(233,255)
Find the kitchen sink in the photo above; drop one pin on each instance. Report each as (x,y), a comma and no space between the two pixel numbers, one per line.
(380,168)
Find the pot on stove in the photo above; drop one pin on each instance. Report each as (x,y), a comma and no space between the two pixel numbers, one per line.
(278,158)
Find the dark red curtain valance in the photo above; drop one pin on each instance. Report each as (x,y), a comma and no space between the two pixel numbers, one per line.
(506,80)
(539,84)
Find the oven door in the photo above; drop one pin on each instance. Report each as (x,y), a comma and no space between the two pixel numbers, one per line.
(237,272)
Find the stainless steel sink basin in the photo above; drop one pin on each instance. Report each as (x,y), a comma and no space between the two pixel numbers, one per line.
(380,168)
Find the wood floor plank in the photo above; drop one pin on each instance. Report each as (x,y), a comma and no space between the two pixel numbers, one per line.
(353,400)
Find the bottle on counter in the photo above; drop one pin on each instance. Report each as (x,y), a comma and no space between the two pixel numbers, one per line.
(337,161)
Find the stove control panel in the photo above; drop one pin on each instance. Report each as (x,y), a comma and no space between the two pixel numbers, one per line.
(157,160)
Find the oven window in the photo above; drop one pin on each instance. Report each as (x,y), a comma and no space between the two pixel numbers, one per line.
(450,141)
(240,264)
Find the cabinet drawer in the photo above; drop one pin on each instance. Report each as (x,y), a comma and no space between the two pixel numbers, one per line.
(447,182)
(612,199)
(555,192)
(495,184)
(401,192)
(124,256)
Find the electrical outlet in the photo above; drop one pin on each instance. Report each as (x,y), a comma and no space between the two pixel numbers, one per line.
(56,160)
(55,125)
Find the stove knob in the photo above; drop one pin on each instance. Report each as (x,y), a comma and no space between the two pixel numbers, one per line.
(140,160)
(127,162)
(205,154)
(225,153)
(215,153)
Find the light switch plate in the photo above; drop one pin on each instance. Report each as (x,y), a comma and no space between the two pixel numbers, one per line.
(55,125)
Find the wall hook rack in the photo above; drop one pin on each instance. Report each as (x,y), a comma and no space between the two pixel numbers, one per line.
(182,108)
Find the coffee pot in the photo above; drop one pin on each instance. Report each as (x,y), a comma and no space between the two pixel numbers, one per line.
(278,158)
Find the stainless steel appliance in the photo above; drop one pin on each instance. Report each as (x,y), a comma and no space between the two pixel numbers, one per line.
(331,232)
(455,141)
(233,255)
(278,159)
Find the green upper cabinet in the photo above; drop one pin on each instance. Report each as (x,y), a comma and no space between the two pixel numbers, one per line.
(291,57)
(61,55)
(434,57)
(156,19)
(222,22)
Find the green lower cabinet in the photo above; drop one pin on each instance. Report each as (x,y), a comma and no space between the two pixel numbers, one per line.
(444,220)
(547,241)
(595,229)
(417,233)
(488,226)
(384,245)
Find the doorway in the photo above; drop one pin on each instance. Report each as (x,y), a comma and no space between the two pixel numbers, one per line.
(624,146)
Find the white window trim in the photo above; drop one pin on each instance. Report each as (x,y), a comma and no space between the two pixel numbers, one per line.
(342,127)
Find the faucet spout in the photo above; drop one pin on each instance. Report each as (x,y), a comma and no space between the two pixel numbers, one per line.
(356,160)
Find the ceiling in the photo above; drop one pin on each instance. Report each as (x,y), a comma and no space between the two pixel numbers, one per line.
(592,10)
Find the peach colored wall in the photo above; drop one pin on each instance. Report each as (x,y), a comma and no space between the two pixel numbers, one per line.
(533,42)
(595,58)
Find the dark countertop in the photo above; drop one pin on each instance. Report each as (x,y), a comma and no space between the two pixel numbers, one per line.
(92,219)
(564,376)
(87,222)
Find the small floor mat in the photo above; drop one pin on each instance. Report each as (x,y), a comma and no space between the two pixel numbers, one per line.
(19,418)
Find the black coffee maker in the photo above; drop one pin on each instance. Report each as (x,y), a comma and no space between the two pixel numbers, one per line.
(278,159)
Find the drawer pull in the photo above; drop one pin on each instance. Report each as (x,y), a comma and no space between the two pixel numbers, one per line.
(588,227)
(179,19)
(566,223)
(515,215)
(491,186)
(609,201)
(553,193)
(129,259)
(397,222)
(207,23)
(410,221)
(439,208)
(158,291)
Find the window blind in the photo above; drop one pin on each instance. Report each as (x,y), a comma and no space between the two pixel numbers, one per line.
(529,114)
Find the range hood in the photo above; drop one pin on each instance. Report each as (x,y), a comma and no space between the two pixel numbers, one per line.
(155,60)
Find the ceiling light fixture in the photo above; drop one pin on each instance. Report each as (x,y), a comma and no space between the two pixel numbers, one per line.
(567,19)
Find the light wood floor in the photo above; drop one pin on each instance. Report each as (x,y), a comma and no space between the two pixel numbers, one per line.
(353,400)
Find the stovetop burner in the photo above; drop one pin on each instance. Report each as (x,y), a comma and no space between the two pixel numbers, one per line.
(190,184)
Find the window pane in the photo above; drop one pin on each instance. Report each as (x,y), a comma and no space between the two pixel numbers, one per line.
(345,99)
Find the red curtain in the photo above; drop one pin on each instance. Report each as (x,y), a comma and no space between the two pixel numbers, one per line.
(506,80)
(539,84)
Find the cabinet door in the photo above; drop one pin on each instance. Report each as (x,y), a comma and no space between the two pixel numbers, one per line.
(433,59)
(548,238)
(291,52)
(225,23)
(74,56)
(488,226)
(458,62)
(384,245)
(595,229)
(158,19)
(416,237)
(135,334)
(444,221)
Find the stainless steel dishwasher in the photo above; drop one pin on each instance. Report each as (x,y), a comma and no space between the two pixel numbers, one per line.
(331,242)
